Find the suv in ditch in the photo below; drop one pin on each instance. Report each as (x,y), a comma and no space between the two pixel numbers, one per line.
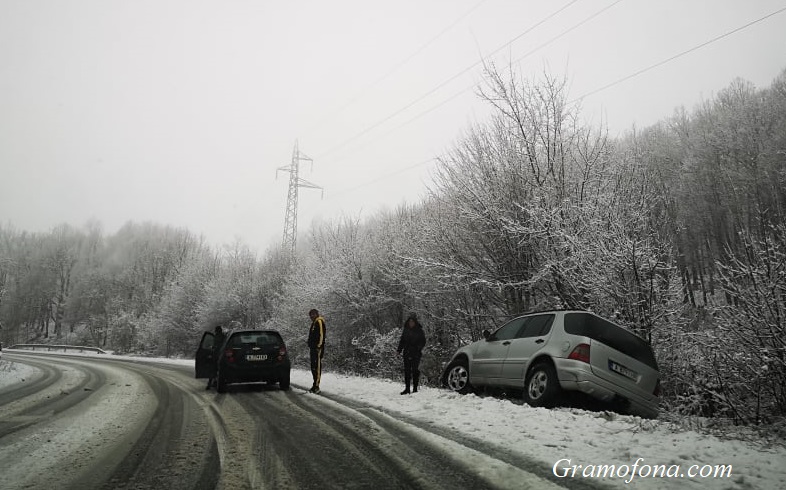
(247,356)
(548,353)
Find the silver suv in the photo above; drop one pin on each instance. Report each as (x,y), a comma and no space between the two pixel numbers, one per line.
(547,352)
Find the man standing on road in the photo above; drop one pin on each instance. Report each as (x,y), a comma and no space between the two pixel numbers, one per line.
(411,346)
(316,344)
(218,343)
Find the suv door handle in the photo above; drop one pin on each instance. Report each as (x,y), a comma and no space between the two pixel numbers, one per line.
(507,342)
(539,341)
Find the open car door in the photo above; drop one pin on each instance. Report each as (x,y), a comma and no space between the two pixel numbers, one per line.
(204,363)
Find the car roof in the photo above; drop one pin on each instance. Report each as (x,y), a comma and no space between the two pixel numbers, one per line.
(276,332)
(571,310)
(541,312)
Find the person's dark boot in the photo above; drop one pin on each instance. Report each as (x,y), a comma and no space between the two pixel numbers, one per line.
(406,391)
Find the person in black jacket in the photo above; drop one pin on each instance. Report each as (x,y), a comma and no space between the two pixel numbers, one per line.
(316,344)
(413,339)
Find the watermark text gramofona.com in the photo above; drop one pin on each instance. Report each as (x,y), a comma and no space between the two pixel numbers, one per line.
(565,468)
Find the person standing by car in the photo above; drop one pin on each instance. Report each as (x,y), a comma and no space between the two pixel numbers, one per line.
(218,342)
(316,345)
(413,339)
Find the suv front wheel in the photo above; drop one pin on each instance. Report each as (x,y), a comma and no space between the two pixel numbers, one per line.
(541,387)
(457,378)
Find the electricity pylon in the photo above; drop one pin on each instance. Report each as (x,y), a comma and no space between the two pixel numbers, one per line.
(290,219)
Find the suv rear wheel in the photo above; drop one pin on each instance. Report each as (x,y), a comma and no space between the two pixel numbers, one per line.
(541,387)
(457,378)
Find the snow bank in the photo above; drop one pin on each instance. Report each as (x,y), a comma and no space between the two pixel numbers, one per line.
(562,439)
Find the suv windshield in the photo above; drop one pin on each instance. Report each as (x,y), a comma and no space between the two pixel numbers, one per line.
(596,328)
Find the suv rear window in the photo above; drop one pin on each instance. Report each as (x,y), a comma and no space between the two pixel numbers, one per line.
(254,338)
(603,331)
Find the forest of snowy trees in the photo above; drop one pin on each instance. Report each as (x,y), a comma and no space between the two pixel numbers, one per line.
(676,231)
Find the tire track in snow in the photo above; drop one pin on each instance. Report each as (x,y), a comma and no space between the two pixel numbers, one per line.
(321,446)
(175,450)
(68,435)
(54,392)
(392,420)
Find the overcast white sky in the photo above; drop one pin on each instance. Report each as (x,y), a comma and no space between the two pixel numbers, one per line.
(180,111)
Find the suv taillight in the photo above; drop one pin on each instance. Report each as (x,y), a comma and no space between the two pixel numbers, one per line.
(282,351)
(230,355)
(580,353)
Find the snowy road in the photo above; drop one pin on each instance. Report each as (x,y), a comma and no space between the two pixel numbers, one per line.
(84,423)
(104,423)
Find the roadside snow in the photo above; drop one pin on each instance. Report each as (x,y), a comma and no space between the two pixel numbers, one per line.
(50,455)
(15,372)
(573,437)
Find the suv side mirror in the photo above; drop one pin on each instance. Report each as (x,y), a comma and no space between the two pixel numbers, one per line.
(486,334)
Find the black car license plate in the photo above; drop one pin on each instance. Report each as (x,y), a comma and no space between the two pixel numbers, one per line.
(256,357)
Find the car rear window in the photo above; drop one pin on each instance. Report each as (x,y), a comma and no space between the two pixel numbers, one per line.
(604,331)
(254,338)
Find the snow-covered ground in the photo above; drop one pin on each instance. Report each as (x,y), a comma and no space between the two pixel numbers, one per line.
(573,444)
(14,372)
(562,439)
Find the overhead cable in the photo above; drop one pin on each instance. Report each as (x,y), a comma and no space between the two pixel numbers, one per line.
(466,89)
(679,55)
(462,72)
(396,67)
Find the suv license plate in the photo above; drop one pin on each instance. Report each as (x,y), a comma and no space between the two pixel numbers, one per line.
(620,369)
(256,357)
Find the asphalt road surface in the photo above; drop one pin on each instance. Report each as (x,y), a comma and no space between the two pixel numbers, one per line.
(118,424)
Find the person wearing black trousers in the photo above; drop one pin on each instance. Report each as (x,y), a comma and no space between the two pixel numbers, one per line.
(413,339)
(316,345)
(218,343)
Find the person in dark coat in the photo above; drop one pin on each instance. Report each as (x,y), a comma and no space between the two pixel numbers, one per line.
(218,342)
(413,339)
(316,346)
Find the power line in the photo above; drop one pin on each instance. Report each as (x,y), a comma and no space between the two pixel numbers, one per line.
(396,67)
(421,114)
(616,82)
(563,33)
(383,177)
(462,72)
(466,89)
(569,30)
(672,58)
(460,92)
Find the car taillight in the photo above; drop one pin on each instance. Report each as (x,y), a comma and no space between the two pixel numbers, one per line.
(656,391)
(230,355)
(282,351)
(581,353)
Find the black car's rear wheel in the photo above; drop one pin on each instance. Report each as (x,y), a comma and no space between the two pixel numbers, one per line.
(541,388)
(283,382)
(457,377)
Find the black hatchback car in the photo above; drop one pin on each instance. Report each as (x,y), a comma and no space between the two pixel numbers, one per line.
(247,356)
